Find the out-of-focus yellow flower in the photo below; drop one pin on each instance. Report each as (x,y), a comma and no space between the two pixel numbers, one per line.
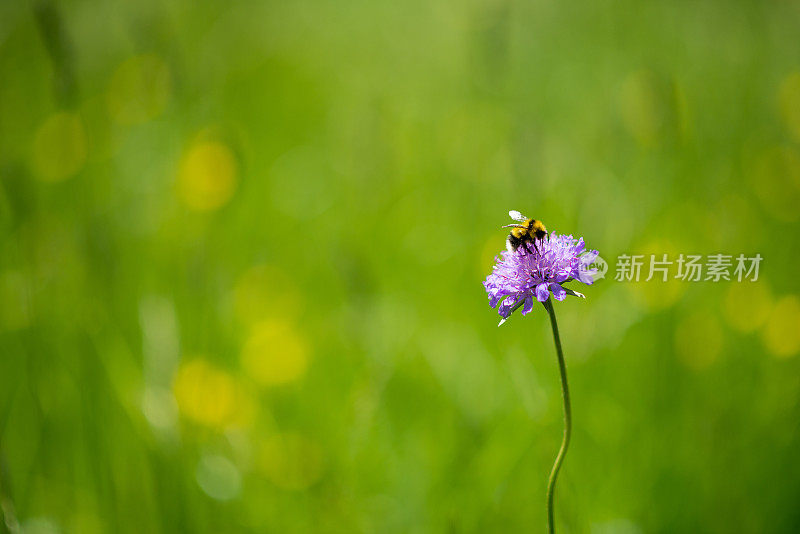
(207,176)
(781,334)
(291,461)
(275,353)
(59,148)
(139,89)
(266,292)
(747,305)
(209,395)
(698,340)
(789,103)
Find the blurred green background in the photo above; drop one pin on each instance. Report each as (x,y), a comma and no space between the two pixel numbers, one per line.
(242,246)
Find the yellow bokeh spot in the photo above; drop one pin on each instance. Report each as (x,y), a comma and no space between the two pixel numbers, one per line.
(291,461)
(747,305)
(59,148)
(789,103)
(139,89)
(265,292)
(209,395)
(275,353)
(207,176)
(776,181)
(781,333)
(698,340)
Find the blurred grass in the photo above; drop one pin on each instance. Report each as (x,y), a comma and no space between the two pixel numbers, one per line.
(241,247)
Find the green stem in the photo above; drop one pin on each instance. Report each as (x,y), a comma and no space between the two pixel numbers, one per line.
(551,485)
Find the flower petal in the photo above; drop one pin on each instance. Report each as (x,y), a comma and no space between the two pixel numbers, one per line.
(542,293)
(505,307)
(586,276)
(589,257)
(559,293)
(495,296)
(528,306)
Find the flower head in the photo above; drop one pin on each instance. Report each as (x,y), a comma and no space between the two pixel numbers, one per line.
(530,273)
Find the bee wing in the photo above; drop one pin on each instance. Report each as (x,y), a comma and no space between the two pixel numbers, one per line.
(517,216)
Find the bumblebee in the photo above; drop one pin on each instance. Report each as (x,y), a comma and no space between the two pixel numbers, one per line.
(528,231)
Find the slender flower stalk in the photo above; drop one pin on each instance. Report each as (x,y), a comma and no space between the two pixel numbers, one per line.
(529,273)
(562,452)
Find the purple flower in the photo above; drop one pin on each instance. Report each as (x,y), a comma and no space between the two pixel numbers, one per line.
(531,273)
